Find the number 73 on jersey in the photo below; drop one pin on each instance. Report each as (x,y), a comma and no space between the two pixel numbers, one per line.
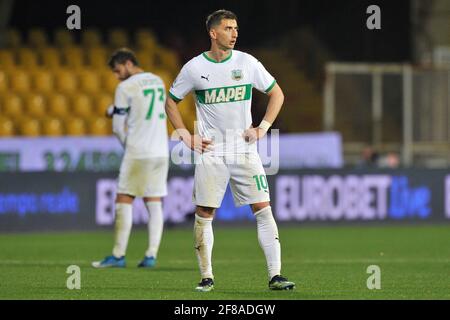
(152,93)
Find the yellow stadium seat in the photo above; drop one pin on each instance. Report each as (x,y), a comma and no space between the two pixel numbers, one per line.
(118,38)
(82,106)
(66,81)
(13,38)
(50,57)
(63,38)
(91,38)
(146,59)
(27,58)
(30,127)
(35,105)
(3,82)
(75,126)
(12,106)
(100,126)
(43,81)
(109,81)
(73,57)
(168,60)
(165,76)
(52,127)
(37,38)
(146,39)
(20,81)
(58,105)
(89,81)
(6,127)
(7,60)
(96,57)
(101,103)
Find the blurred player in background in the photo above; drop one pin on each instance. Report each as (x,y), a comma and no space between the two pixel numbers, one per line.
(222,79)
(139,122)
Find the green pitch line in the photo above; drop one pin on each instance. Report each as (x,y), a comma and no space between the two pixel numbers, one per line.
(325,263)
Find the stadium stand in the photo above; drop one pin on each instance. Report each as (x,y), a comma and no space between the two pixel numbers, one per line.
(118,38)
(58,105)
(50,57)
(102,99)
(52,126)
(13,38)
(27,58)
(82,105)
(89,80)
(3,82)
(6,127)
(7,60)
(30,127)
(63,38)
(43,81)
(99,126)
(56,84)
(66,81)
(75,126)
(35,106)
(37,38)
(91,38)
(20,81)
(12,106)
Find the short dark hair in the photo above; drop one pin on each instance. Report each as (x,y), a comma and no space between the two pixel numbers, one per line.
(216,17)
(121,56)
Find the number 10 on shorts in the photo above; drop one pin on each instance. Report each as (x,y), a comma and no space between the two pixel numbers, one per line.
(261,182)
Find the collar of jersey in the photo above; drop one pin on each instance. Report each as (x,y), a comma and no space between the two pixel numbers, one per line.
(214,61)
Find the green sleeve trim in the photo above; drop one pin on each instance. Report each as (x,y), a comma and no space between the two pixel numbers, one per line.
(271,86)
(174,97)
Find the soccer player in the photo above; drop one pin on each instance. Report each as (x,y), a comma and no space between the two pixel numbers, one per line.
(139,122)
(222,80)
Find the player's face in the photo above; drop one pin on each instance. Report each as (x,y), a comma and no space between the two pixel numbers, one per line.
(121,71)
(225,34)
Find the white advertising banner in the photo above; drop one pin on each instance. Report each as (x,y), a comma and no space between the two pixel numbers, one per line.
(315,150)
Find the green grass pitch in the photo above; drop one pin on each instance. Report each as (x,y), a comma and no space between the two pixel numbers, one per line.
(325,263)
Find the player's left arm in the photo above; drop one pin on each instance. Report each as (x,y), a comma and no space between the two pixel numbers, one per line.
(119,114)
(119,123)
(109,112)
(276,99)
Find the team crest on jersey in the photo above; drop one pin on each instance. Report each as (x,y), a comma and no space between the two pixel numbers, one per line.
(236,75)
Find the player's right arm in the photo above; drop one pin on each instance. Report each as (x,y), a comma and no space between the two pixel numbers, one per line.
(194,142)
(175,118)
(182,85)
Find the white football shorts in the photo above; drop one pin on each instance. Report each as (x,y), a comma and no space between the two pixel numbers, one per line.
(245,173)
(143,177)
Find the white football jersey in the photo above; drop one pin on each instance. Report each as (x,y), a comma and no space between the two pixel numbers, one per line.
(223,97)
(145,95)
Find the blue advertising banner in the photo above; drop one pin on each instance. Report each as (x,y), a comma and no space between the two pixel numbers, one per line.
(84,201)
(345,195)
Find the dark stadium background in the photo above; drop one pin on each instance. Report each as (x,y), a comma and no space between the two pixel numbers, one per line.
(365,130)
(180,24)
